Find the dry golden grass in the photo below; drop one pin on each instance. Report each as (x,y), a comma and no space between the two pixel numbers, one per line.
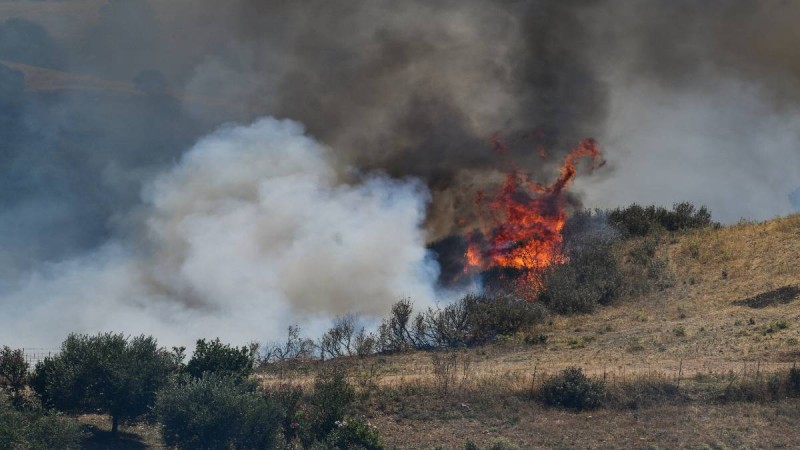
(691,334)
(667,427)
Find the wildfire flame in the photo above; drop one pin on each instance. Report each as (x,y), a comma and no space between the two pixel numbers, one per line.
(527,219)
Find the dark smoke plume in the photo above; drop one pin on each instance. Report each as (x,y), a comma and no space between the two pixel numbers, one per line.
(416,88)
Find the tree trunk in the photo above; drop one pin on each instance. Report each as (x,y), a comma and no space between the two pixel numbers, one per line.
(114,425)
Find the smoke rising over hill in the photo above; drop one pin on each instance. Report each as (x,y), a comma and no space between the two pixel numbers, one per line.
(102,184)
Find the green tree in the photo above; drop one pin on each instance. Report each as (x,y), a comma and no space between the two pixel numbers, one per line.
(222,359)
(217,412)
(107,372)
(13,369)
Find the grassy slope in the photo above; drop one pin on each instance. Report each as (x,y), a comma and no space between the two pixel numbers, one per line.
(631,340)
(640,334)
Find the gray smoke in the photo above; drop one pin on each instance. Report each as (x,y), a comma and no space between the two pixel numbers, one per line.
(703,105)
(249,232)
(102,102)
(416,88)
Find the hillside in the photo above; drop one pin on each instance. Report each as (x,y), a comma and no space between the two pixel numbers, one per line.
(696,335)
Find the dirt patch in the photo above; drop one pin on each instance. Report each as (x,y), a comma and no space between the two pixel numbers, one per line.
(780,296)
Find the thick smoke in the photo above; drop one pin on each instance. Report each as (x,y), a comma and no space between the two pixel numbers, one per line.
(248,232)
(416,87)
(100,99)
(703,105)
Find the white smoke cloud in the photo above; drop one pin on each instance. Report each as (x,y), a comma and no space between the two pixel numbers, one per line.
(248,233)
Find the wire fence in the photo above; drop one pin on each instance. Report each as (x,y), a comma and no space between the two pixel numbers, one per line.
(34,355)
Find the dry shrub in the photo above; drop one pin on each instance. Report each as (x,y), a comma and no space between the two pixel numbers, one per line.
(591,276)
(573,390)
(763,388)
(450,370)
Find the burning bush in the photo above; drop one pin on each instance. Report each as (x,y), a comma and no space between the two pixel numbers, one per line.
(525,219)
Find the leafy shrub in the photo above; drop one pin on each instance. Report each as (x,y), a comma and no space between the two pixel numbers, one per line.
(488,317)
(219,358)
(13,369)
(591,275)
(573,390)
(33,429)
(217,411)
(793,380)
(323,420)
(636,220)
(107,372)
(565,294)
(289,400)
(354,433)
(331,400)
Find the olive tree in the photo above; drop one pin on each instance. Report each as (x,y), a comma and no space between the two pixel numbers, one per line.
(107,372)
(13,369)
(216,357)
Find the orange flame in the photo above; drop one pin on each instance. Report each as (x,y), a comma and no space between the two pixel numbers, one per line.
(527,219)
